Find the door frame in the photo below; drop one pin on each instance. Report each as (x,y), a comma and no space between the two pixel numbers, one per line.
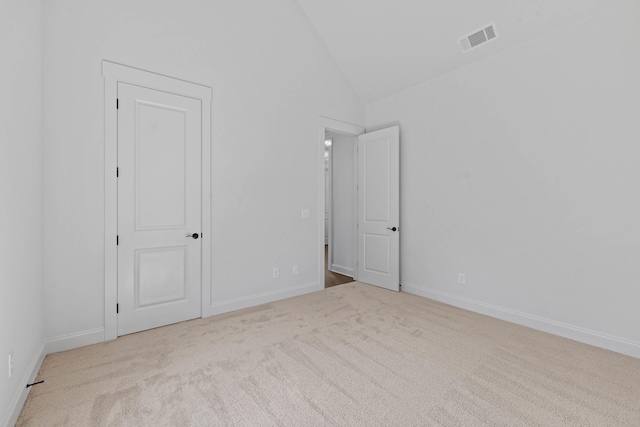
(113,74)
(337,126)
(329,181)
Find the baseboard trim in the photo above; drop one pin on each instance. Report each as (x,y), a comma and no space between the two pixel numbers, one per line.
(263,298)
(71,341)
(341,269)
(21,396)
(598,339)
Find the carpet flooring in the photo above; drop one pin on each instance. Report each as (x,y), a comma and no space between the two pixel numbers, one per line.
(351,355)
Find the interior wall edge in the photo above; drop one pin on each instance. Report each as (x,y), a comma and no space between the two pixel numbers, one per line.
(585,336)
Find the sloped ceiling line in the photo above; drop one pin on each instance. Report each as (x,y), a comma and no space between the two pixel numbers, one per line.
(387,46)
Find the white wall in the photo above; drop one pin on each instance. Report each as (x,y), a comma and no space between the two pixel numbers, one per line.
(521,170)
(271,78)
(21,320)
(343,204)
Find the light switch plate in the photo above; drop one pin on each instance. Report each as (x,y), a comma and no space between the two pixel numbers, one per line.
(10,360)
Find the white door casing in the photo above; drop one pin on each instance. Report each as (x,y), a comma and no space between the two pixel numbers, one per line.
(152,225)
(159,208)
(379,208)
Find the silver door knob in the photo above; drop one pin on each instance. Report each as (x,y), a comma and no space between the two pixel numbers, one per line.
(393,228)
(193,236)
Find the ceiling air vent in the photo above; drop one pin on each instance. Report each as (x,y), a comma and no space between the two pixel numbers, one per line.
(478,37)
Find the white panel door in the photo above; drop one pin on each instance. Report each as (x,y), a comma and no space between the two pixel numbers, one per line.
(159,208)
(379,208)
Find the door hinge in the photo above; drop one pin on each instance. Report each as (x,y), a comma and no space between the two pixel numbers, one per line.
(117,240)
(117,172)
(117,308)
(117,103)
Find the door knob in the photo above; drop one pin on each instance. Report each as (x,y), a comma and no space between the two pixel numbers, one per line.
(193,236)
(392,228)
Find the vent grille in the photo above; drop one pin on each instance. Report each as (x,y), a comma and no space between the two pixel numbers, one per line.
(491,32)
(478,37)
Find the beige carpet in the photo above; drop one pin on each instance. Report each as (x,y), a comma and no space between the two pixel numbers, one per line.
(353,355)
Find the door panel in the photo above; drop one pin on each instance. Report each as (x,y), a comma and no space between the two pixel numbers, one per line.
(379,208)
(159,208)
(160,163)
(160,275)
(376,253)
(375,164)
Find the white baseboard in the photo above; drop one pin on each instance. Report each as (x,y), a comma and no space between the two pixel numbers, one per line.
(71,341)
(598,339)
(21,396)
(341,269)
(263,298)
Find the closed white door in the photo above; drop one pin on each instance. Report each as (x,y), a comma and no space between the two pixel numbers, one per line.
(159,208)
(379,208)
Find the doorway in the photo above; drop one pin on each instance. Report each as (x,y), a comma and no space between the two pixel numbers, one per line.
(340,204)
(157,200)
(332,272)
(375,216)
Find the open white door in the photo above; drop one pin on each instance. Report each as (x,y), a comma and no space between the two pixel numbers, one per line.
(159,208)
(379,208)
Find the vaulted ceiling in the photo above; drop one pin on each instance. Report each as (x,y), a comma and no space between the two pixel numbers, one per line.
(386,46)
